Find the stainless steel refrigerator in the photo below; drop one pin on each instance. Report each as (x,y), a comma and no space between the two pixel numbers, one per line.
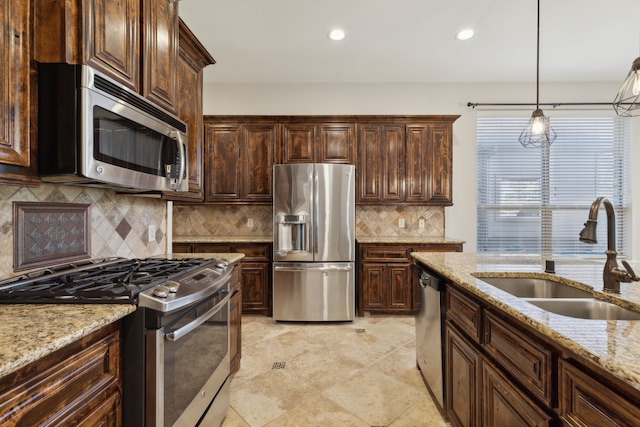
(314,242)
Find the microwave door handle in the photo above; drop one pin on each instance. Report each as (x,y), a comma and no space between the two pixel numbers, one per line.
(183,160)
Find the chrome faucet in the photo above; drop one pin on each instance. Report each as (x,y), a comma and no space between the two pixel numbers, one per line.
(612,274)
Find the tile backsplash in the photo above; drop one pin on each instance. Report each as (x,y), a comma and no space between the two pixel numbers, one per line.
(232,220)
(118,223)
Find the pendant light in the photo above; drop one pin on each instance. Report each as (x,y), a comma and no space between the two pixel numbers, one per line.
(538,132)
(627,102)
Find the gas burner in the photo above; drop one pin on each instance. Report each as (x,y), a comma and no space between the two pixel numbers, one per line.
(106,280)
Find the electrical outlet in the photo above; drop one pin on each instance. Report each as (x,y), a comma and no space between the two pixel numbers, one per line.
(421,223)
(401,223)
(250,222)
(152,232)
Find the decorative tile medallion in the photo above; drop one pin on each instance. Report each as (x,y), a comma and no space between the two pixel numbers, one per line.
(45,233)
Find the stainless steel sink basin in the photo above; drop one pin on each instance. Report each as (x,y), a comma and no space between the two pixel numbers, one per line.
(528,287)
(586,308)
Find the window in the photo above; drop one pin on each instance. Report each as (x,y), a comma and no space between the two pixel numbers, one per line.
(536,200)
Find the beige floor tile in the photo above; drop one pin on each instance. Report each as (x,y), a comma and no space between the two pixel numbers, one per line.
(361,373)
(374,396)
(318,411)
(267,396)
(422,413)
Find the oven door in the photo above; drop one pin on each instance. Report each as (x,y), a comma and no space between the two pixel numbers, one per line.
(188,364)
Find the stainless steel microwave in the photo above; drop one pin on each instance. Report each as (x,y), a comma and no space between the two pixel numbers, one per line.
(95,132)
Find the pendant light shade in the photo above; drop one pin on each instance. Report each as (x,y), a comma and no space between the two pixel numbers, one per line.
(627,102)
(538,132)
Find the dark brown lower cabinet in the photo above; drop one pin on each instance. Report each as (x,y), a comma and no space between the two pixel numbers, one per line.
(235,321)
(504,405)
(461,379)
(78,385)
(255,271)
(498,371)
(586,401)
(385,281)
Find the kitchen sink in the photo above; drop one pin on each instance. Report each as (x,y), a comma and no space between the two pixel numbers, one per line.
(586,308)
(530,287)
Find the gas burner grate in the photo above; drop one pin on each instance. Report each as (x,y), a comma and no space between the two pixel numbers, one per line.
(107,280)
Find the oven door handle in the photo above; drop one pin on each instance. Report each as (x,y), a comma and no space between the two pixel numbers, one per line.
(181,332)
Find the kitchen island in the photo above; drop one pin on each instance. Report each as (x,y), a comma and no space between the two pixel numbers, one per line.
(579,370)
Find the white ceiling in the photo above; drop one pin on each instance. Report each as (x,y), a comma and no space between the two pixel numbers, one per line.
(413,41)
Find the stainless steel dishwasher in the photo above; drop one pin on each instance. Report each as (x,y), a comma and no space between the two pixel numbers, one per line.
(429,332)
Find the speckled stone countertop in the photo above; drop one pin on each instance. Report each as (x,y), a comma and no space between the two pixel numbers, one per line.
(231,257)
(416,240)
(613,345)
(223,239)
(361,239)
(29,332)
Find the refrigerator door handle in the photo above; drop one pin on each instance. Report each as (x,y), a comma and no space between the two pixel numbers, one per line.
(287,268)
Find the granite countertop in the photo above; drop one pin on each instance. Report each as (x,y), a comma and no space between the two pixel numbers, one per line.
(230,257)
(613,345)
(360,239)
(223,239)
(29,332)
(417,240)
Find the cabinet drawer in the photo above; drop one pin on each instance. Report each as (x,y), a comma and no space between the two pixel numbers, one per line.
(385,253)
(524,357)
(251,251)
(505,405)
(209,248)
(585,401)
(464,313)
(254,251)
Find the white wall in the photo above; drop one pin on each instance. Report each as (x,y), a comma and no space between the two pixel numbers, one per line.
(398,99)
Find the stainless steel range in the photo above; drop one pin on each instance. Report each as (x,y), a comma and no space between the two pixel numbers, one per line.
(176,344)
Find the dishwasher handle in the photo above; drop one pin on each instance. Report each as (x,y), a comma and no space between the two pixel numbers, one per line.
(427,280)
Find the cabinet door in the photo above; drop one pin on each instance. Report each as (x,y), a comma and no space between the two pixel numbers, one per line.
(299,141)
(461,380)
(584,401)
(111,39)
(235,330)
(160,50)
(399,287)
(336,143)
(192,60)
(374,287)
(222,157)
(504,405)
(259,150)
(381,163)
(429,164)
(255,288)
(15,102)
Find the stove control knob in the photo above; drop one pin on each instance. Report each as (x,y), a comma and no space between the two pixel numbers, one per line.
(222,265)
(172,286)
(161,291)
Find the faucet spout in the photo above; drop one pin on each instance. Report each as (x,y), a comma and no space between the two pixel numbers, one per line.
(612,274)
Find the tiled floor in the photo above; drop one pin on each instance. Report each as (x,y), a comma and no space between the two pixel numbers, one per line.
(361,373)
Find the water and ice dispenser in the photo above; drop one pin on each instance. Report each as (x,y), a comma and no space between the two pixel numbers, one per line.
(292,233)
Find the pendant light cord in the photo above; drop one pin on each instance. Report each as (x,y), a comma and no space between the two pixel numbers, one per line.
(538,60)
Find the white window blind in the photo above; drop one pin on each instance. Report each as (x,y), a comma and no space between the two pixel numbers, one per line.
(536,200)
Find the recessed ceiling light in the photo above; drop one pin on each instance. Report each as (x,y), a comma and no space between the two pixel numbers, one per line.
(465,34)
(336,35)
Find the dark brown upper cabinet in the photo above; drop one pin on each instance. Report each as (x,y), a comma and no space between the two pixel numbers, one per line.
(318,142)
(239,158)
(112,37)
